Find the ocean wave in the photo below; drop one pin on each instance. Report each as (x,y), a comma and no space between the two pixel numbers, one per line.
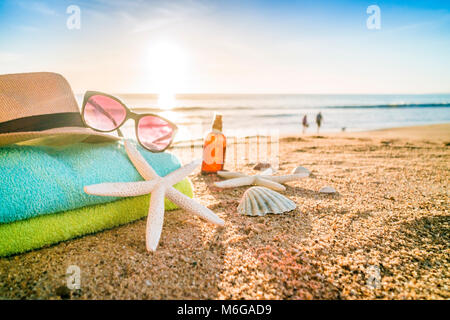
(195,108)
(278,115)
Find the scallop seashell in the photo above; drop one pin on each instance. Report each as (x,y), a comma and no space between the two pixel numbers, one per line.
(301,169)
(327,189)
(259,201)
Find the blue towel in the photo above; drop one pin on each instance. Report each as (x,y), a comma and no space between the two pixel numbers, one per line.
(37,180)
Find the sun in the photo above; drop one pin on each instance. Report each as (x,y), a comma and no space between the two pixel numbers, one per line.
(168,64)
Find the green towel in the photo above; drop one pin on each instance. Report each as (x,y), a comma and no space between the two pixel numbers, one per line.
(34,233)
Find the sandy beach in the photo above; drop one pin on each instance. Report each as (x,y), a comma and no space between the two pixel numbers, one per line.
(391,214)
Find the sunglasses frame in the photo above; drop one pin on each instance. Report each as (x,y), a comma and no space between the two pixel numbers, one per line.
(129,115)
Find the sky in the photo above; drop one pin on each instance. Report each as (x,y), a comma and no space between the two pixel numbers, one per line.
(199,46)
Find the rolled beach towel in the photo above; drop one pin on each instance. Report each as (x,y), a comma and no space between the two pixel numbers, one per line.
(39,180)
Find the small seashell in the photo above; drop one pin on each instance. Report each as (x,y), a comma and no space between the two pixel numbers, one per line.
(327,189)
(301,169)
(259,201)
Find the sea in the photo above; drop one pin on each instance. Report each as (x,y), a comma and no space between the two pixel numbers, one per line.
(252,114)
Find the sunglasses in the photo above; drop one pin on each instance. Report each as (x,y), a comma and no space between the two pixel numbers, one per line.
(105,113)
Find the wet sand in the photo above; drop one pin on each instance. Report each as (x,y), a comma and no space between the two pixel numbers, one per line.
(390,216)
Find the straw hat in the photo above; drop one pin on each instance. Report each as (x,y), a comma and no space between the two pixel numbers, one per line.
(40,107)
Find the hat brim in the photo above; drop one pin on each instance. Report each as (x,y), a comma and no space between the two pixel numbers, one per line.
(56,136)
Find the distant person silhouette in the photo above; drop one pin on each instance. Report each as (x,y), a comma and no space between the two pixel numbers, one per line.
(305,123)
(319,121)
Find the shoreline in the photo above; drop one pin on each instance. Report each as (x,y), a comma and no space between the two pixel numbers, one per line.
(390,214)
(437,131)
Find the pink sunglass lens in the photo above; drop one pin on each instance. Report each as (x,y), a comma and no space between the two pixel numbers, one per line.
(154,133)
(103,113)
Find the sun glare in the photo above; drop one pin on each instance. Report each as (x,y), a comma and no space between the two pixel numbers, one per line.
(166,100)
(168,63)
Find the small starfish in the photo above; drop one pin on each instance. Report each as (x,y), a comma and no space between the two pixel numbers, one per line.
(159,187)
(265,179)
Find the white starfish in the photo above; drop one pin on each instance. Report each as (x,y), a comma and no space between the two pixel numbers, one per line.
(159,187)
(265,179)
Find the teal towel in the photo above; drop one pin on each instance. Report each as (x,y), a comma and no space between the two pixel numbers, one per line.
(37,180)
